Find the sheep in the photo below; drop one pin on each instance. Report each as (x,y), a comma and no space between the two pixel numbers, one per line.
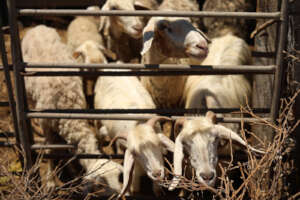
(183,5)
(220,27)
(87,44)
(146,147)
(199,138)
(221,91)
(42,44)
(84,39)
(119,93)
(166,40)
(128,93)
(122,34)
(84,28)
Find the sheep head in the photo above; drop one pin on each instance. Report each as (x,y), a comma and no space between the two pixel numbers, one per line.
(92,52)
(199,139)
(145,146)
(176,36)
(133,26)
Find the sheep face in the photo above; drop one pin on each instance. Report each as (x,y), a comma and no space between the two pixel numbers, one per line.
(203,156)
(176,36)
(91,52)
(201,147)
(132,26)
(199,139)
(146,148)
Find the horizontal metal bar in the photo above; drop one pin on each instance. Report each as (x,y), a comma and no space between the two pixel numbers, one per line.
(5,29)
(52,146)
(173,111)
(57,3)
(127,66)
(263,54)
(112,156)
(82,156)
(82,12)
(9,67)
(203,70)
(4,104)
(125,117)
(6,134)
(6,144)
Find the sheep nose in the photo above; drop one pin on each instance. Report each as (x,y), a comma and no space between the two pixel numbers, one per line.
(156,173)
(207,176)
(203,46)
(138,27)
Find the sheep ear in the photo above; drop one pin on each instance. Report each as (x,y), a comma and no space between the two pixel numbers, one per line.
(145,5)
(226,133)
(155,119)
(162,25)
(208,40)
(148,36)
(122,135)
(212,116)
(167,143)
(140,6)
(107,52)
(178,126)
(76,54)
(127,173)
(178,157)
(104,20)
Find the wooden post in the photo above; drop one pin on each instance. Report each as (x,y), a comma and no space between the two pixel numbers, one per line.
(294,85)
(263,84)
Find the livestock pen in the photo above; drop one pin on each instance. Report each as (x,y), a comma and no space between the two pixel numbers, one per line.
(22,115)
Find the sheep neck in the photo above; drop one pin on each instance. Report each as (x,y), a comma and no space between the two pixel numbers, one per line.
(163,83)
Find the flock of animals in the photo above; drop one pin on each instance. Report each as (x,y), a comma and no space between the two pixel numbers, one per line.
(155,40)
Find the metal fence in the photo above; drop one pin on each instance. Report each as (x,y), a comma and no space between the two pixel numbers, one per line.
(22,115)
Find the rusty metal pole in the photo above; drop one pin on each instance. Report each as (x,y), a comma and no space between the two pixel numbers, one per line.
(26,138)
(282,32)
(9,86)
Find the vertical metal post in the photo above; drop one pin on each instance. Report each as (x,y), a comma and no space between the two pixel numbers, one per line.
(279,60)
(25,133)
(9,85)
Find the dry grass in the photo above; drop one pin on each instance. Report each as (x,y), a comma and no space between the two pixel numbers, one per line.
(261,177)
(264,177)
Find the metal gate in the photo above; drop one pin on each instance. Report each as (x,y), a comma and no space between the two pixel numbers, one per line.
(22,115)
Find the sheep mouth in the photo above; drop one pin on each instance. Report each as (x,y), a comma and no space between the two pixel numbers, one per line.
(198,53)
(136,34)
(210,183)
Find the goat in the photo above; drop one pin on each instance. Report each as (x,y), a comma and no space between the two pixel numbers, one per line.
(199,138)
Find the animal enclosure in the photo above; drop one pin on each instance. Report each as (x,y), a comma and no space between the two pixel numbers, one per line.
(22,115)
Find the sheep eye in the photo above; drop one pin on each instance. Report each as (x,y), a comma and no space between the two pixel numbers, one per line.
(137,7)
(169,29)
(114,8)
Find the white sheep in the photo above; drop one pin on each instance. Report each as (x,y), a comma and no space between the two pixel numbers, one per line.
(183,5)
(42,44)
(84,39)
(122,34)
(166,40)
(120,92)
(199,139)
(222,26)
(221,91)
(128,93)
